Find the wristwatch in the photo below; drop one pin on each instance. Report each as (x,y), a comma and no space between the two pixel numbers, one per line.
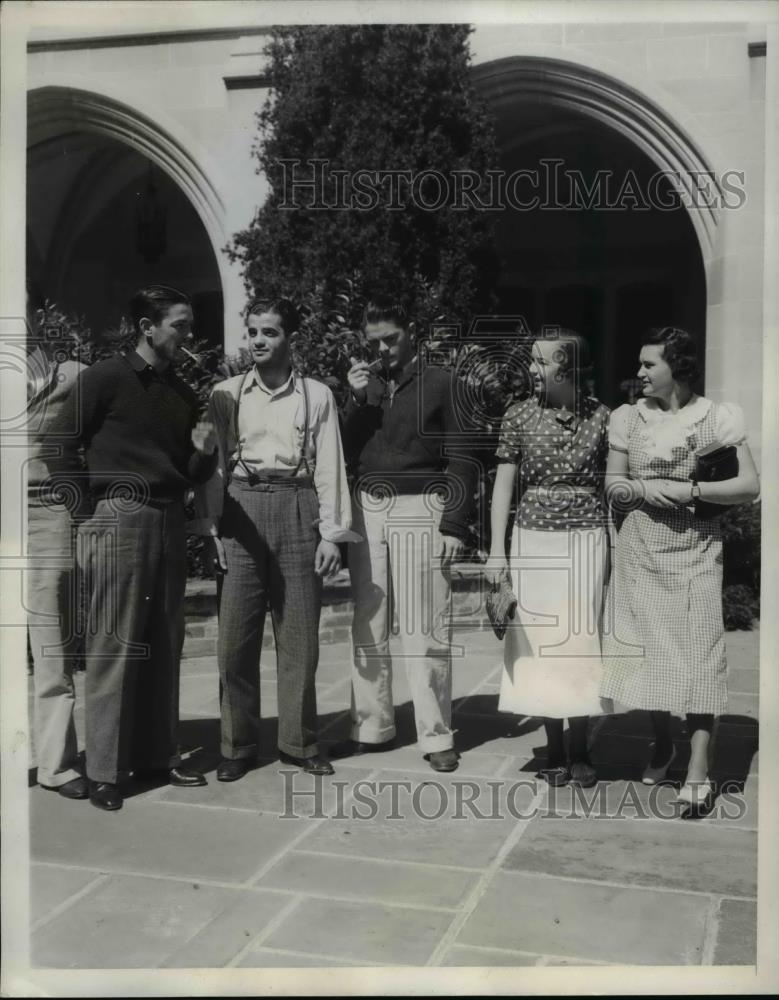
(695,491)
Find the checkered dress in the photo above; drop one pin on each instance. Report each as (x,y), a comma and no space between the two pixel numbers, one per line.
(664,642)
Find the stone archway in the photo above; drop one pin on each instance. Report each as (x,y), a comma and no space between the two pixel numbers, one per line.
(60,108)
(545,105)
(559,83)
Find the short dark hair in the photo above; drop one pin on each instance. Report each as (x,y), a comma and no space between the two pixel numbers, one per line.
(679,351)
(153,302)
(284,309)
(575,346)
(386,309)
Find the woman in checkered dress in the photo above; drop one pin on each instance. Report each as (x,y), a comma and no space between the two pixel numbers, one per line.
(664,644)
(559,549)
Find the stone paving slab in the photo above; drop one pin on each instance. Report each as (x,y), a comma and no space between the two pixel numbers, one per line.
(736,933)
(742,649)
(269,958)
(743,707)
(630,799)
(316,874)
(690,856)
(388,935)
(746,681)
(350,891)
(154,838)
(195,666)
(244,916)
(466,842)
(737,806)
(464,956)
(52,885)
(589,921)
(410,758)
(272,790)
(734,807)
(128,922)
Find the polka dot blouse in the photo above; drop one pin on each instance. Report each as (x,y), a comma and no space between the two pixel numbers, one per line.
(561,456)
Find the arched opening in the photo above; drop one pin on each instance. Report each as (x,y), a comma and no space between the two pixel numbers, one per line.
(114,203)
(571,258)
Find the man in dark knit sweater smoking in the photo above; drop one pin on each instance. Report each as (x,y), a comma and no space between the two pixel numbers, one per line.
(144,448)
(412,501)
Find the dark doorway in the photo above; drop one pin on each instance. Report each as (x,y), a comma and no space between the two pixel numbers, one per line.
(103,221)
(609,273)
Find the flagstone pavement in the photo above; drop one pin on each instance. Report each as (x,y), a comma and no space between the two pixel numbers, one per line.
(389,863)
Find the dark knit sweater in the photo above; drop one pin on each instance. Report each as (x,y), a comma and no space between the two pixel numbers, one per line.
(135,425)
(402,439)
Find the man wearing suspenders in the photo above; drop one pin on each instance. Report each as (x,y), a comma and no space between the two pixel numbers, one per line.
(275,510)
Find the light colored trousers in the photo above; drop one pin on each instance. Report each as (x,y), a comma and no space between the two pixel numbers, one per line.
(397,564)
(51,597)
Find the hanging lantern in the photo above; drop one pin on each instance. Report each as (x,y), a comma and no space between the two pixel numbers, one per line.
(151,223)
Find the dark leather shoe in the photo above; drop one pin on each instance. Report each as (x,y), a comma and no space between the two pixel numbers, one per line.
(583,774)
(443,760)
(354,748)
(105,795)
(311,765)
(76,788)
(181,777)
(186,777)
(232,770)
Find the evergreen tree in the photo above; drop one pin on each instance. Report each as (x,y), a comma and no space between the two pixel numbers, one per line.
(362,99)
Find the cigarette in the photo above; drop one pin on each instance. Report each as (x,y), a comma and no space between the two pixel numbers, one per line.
(189,354)
(374,365)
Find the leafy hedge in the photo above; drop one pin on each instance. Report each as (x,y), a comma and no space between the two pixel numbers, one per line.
(741,566)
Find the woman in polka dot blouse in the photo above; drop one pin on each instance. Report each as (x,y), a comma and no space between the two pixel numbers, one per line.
(557,442)
(664,649)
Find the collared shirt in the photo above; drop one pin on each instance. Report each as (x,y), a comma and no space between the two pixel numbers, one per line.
(265,431)
(666,435)
(270,428)
(562,460)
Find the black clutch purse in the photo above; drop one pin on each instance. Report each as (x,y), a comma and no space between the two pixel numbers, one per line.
(501,605)
(714,464)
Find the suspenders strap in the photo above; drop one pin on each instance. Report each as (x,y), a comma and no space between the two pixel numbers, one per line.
(302,460)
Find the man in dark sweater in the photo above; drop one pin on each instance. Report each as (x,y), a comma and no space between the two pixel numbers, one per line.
(411,504)
(137,422)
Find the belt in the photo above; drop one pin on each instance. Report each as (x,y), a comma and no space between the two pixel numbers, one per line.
(158,503)
(563,488)
(267,481)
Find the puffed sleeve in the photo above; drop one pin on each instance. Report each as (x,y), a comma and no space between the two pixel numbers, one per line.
(510,443)
(731,426)
(618,428)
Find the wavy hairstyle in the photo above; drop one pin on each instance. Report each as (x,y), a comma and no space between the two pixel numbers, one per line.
(679,351)
(284,309)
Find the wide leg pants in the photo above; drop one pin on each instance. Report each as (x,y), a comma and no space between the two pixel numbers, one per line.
(134,558)
(270,538)
(397,561)
(51,606)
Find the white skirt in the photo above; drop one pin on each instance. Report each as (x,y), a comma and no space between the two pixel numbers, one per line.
(552,648)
